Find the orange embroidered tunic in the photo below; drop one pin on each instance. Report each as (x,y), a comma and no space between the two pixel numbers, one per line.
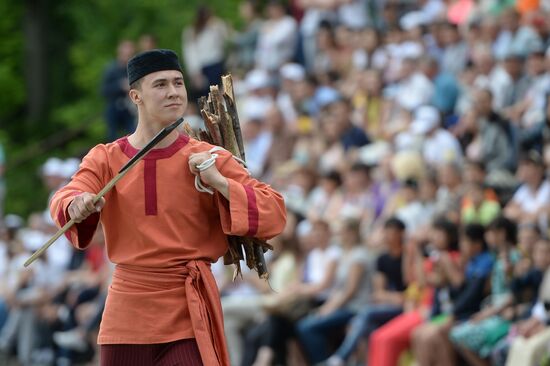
(162,234)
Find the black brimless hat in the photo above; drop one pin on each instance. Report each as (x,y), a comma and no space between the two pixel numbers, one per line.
(151,61)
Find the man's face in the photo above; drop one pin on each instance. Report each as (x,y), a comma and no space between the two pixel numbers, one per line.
(530,173)
(392,236)
(162,96)
(125,51)
(483,102)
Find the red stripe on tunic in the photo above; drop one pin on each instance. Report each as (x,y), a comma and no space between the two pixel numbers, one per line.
(253,213)
(150,183)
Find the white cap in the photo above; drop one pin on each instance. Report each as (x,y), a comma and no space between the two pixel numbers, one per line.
(53,167)
(325,95)
(32,239)
(372,154)
(426,118)
(256,109)
(412,19)
(293,71)
(303,228)
(12,221)
(257,79)
(70,167)
(410,50)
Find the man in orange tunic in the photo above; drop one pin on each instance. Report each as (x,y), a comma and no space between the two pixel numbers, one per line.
(163,306)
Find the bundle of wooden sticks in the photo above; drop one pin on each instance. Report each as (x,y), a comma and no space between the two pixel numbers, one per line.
(223,129)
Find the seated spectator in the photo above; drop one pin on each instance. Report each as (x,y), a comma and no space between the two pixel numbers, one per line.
(480,210)
(528,277)
(267,340)
(439,145)
(450,192)
(368,103)
(386,301)
(521,39)
(475,173)
(528,339)
(486,135)
(208,32)
(276,39)
(355,200)
(476,338)
(528,235)
(352,289)
(328,187)
(456,301)
(387,344)
(531,200)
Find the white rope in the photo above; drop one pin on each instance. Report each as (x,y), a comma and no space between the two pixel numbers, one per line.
(207,164)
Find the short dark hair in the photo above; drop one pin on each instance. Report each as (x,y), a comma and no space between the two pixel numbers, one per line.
(509,226)
(333,176)
(136,84)
(361,167)
(532,157)
(394,223)
(450,229)
(477,163)
(476,233)
(411,183)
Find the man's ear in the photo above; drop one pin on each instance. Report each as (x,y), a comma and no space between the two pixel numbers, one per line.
(135,96)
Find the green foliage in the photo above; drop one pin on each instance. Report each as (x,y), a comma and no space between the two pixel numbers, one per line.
(12,87)
(82,40)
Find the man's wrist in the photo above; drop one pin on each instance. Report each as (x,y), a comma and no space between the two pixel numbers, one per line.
(222,186)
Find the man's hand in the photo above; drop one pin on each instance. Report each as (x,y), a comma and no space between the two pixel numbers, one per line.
(210,176)
(83,206)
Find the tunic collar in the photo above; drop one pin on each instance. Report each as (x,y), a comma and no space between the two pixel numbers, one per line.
(155,154)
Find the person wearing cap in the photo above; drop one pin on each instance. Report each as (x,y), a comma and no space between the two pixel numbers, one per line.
(53,174)
(163,305)
(439,145)
(291,75)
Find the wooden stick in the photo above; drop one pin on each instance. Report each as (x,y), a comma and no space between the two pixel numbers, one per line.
(227,84)
(232,111)
(125,169)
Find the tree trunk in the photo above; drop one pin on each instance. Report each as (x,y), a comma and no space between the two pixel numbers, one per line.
(35,30)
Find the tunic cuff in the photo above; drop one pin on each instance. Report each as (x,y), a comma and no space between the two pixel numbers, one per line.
(239,216)
(80,235)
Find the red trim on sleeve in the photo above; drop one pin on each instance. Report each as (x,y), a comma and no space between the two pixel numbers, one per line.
(62,221)
(85,229)
(62,216)
(253,213)
(150,186)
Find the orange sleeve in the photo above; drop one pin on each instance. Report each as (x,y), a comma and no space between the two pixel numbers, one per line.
(91,177)
(254,208)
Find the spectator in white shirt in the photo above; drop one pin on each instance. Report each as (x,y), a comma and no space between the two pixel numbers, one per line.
(531,200)
(439,145)
(514,37)
(277,38)
(203,46)
(415,88)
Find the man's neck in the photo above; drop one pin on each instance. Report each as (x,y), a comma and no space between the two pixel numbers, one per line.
(145,131)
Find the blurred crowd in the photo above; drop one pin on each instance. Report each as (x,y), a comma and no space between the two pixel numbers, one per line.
(411,141)
(50,311)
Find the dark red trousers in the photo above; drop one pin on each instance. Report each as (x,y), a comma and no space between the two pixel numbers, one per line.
(179,353)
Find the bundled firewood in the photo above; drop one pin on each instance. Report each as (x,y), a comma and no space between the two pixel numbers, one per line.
(223,129)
